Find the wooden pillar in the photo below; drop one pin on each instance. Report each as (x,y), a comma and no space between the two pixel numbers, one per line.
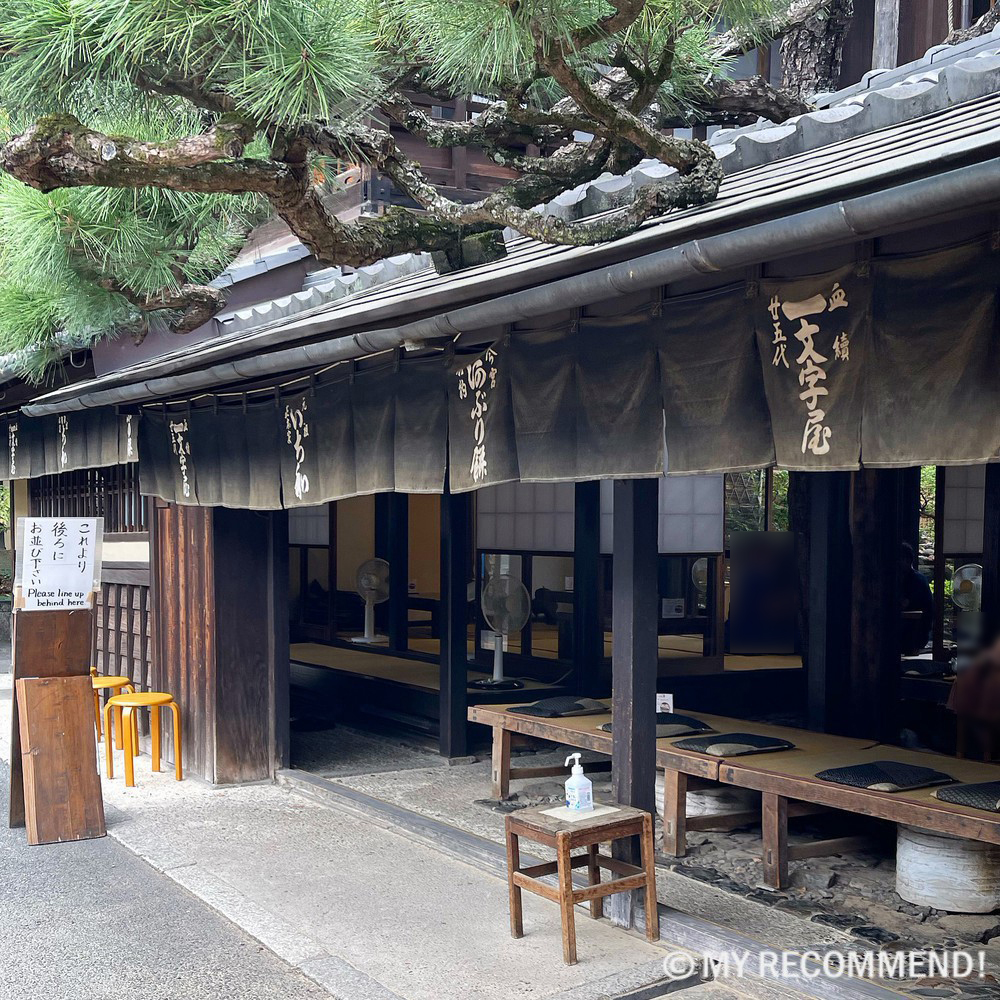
(588,634)
(455,572)
(885,49)
(634,660)
(910,513)
(220,610)
(279,651)
(829,594)
(939,637)
(392,530)
(876,535)
(251,646)
(991,555)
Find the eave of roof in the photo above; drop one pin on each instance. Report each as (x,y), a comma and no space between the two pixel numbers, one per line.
(872,140)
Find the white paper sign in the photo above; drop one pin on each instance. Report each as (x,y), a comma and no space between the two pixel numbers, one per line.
(664,703)
(58,562)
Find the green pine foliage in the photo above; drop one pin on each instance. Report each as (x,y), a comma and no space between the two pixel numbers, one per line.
(128,68)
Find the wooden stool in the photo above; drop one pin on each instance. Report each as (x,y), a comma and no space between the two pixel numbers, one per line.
(118,684)
(563,835)
(128,703)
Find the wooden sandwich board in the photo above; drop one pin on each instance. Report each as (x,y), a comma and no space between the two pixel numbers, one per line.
(46,644)
(62,787)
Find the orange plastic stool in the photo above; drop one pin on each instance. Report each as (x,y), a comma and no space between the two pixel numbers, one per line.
(128,703)
(109,682)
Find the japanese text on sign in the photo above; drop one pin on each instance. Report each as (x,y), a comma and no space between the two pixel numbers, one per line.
(811,363)
(296,432)
(58,562)
(472,386)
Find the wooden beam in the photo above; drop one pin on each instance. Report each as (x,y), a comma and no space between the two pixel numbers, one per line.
(588,634)
(876,536)
(991,555)
(634,661)
(885,49)
(455,572)
(829,613)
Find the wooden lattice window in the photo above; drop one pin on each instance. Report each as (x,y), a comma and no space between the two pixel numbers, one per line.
(111,492)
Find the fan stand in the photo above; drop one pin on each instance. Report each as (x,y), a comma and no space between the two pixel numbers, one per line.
(370,638)
(497,682)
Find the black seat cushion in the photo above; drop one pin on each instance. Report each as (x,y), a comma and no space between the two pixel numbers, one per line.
(733,744)
(985,796)
(671,724)
(561,707)
(885,776)
(926,668)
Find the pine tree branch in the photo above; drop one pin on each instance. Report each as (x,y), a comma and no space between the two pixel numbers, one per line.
(744,38)
(197,304)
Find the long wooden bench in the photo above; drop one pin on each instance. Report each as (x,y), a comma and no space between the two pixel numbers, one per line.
(785,780)
(683,770)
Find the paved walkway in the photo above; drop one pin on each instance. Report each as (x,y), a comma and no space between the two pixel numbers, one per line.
(365,912)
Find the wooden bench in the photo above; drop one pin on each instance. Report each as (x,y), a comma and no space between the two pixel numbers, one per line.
(683,770)
(786,781)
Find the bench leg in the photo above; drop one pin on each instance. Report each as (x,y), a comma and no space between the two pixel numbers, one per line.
(513,864)
(674,813)
(566,898)
(774,823)
(649,865)
(501,762)
(594,870)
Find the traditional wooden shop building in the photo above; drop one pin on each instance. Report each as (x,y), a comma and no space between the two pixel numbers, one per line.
(567,416)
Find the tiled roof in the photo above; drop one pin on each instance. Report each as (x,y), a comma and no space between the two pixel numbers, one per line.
(946,75)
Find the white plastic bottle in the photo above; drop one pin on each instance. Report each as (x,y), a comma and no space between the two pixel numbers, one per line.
(579,788)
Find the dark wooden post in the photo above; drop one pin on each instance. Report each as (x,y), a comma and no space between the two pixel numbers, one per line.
(876,535)
(454,622)
(247,714)
(940,479)
(828,646)
(634,660)
(397,553)
(278,652)
(991,555)
(588,633)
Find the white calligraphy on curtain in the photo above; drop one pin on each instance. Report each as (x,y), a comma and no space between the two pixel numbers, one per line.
(477,380)
(182,449)
(296,432)
(812,373)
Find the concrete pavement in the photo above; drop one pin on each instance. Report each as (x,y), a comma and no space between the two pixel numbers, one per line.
(91,921)
(364,912)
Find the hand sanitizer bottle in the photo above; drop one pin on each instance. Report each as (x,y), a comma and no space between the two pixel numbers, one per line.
(579,788)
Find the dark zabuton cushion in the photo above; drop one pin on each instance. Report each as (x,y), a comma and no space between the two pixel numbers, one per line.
(560,708)
(885,776)
(671,724)
(985,796)
(733,744)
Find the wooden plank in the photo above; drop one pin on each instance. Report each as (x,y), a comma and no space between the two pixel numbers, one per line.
(45,644)
(774,823)
(634,661)
(455,574)
(885,48)
(588,635)
(61,784)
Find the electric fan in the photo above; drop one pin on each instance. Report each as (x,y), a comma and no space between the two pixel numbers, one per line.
(372,583)
(967,587)
(506,606)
